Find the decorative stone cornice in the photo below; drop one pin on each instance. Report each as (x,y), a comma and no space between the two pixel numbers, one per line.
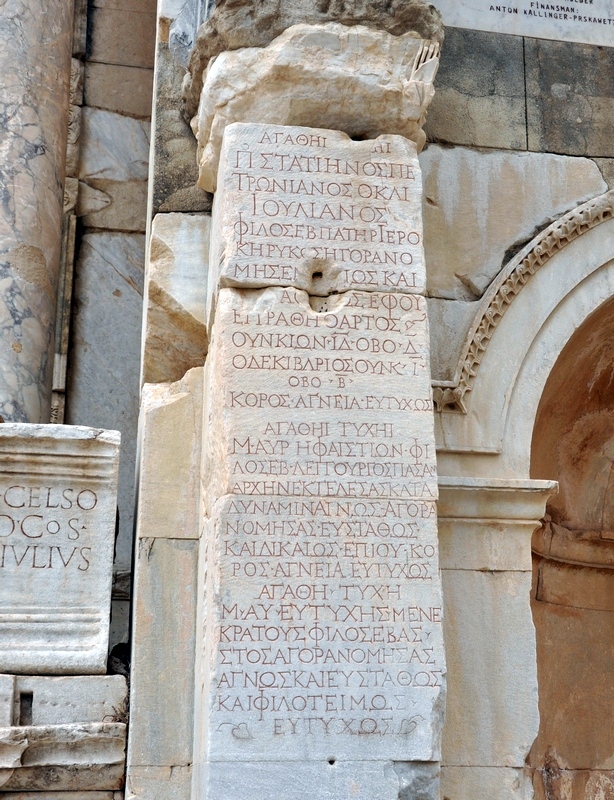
(450,395)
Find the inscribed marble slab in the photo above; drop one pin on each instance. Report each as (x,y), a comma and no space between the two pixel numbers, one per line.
(310,208)
(587,21)
(58,499)
(320,396)
(322,601)
(325,630)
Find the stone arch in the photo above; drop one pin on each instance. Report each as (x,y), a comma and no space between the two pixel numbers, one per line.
(522,324)
(491,503)
(573,565)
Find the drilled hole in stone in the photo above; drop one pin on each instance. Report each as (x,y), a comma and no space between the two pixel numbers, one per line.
(316,275)
(25,708)
(332,761)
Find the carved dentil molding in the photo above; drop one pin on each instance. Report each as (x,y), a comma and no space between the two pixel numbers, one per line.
(450,395)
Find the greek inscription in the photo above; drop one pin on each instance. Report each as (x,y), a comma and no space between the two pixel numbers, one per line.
(295,201)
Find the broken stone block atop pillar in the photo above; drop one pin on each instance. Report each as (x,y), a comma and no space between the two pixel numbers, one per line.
(321,601)
(58,490)
(353,79)
(310,208)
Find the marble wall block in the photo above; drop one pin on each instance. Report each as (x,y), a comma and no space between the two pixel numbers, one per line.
(570,112)
(360,780)
(160,750)
(65,700)
(123,205)
(103,382)
(35,64)
(169,489)
(118,88)
(175,334)
(310,208)
(386,83)
(62,757)
(113,147)
(163,655)
(471,221)
(159,783)
(57,525)
(479,92)
(123,34)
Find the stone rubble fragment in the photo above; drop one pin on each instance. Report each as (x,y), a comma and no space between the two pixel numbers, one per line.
(386,83)
(245,23)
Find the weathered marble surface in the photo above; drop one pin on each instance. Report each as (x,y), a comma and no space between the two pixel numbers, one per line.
(65,700)
(103,384)
(58,486)
(310,208)
(386,83)
(35,64)
(169,490)
(175,334)
(320,496)
(62,757)
(166,591)
(163,677)
(470,222)
(174,170)
(248,24)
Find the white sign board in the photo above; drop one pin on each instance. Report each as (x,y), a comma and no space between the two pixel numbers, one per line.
(587,21)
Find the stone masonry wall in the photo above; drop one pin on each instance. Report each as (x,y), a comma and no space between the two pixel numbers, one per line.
(113,167)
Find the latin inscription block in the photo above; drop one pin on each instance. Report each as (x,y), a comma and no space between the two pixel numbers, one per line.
(311,208)
(58,489)
(321,397)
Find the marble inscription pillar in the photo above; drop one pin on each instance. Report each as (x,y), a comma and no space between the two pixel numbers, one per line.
(35,57)
(321,662)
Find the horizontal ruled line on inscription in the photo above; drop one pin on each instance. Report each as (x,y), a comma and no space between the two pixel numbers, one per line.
(55,610)
(50,620)
(61,648)
(51,470)
(15,454)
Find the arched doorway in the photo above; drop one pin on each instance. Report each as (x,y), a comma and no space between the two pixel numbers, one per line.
(573,569)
